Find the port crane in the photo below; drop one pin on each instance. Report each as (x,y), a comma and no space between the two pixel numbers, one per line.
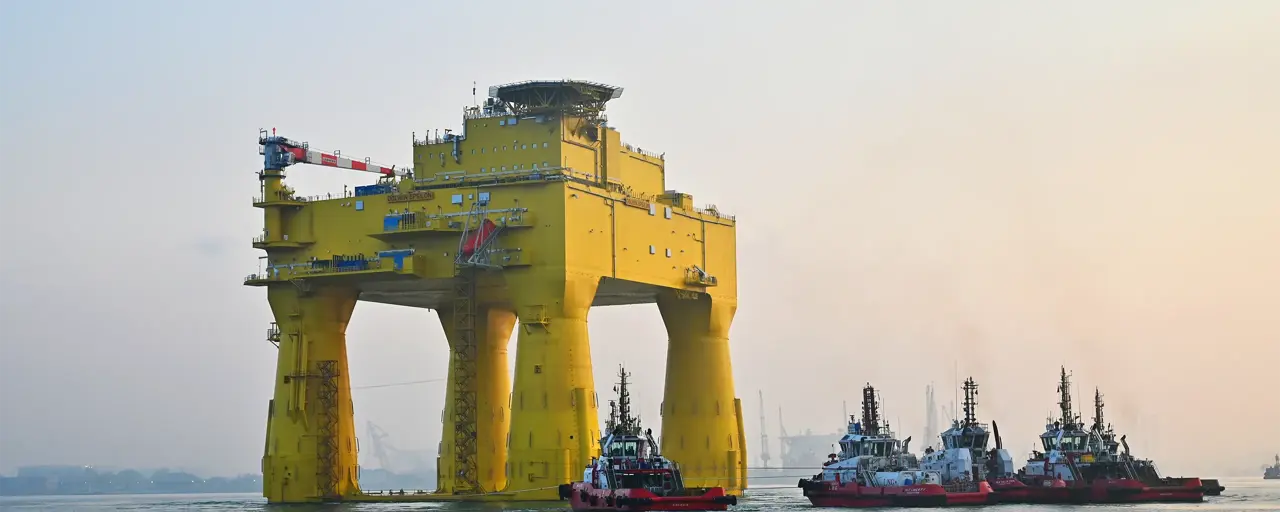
(764,433)
(280,152)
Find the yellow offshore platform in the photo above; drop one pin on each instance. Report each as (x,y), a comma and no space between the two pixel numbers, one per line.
(533,214)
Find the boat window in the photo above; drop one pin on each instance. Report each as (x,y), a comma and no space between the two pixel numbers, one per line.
(642,480)
(1079,443)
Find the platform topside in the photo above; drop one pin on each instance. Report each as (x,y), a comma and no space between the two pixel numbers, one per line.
(569,191)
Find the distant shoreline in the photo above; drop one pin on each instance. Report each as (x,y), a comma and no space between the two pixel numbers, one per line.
(154,493)
(126,493)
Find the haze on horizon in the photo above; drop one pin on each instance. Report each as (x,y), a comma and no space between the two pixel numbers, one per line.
(998,187)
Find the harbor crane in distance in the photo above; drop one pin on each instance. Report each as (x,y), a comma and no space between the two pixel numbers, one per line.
(764,434)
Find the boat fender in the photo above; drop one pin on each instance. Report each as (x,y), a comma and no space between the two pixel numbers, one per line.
(566,490)
(608,501)
(582,495)
(622,501)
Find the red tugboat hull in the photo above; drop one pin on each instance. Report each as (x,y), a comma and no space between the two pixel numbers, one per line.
(583,496)
(852,495)
(1100,491)
(1133,491)
(1012,490)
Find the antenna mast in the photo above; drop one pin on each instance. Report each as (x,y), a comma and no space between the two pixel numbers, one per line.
(930,415)
(611,424)
(624,423)
(1099,424)
(1064,391)
(955,388)
(870,410)
(970,402)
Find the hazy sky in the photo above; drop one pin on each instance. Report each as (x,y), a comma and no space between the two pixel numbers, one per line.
(1005,187)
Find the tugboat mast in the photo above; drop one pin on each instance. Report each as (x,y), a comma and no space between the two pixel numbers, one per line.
(970,403)
(1064,390)
(620,419)
(1099,424)
(870,410)
(611,425)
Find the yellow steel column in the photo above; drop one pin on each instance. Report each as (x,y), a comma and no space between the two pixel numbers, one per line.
(699,418)
(493,383)
(272,216)
(311,447)
(553,378)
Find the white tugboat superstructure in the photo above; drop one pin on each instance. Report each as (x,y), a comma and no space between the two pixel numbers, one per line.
(964,456)
(875,469)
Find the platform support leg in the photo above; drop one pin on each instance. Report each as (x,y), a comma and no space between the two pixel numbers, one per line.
(493,383)
(310,452)
(552,437)
(700,417)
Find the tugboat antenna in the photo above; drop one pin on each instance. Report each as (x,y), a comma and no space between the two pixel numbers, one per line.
(970,402)
(870,410)
(1098,423)
(612,424)
(955,389)
(1064,391)
(625,423)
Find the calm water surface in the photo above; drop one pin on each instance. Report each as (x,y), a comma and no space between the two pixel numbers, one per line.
(1245,494)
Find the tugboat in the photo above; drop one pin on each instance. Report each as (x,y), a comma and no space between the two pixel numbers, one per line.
(875,469)
(631,473)
(1081,466)
(965,463)
(1273,472)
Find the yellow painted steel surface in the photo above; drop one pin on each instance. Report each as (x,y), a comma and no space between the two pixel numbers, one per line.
(585,220)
